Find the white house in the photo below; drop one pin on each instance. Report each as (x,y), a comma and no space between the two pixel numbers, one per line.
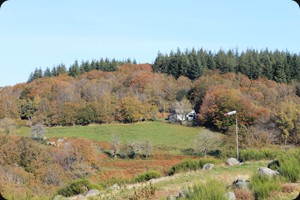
(182,115)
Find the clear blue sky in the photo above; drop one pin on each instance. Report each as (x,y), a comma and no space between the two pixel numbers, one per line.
(40,33)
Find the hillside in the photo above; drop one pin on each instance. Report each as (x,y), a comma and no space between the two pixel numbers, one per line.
(267,111)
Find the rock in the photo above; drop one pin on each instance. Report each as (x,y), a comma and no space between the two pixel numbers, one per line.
(51,143)
(208,166)
(298,197)
(232,162)
(241,184)
(60,140)
(182,194)
(115,187)
(77,197)
(230,196)
(171,197)
(267,172)
(92,192)
(274,165)
(58,197)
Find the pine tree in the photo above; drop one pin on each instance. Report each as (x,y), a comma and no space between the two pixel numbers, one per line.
(47,72)
(74,70)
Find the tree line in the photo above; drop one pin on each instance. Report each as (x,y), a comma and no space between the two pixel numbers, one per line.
(280,66)
(77,68)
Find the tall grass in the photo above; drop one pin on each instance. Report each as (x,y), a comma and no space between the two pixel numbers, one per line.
(147,176)
(77,187)
(290,166)
(264,185)
(259,154)
(212,190)
(192,165)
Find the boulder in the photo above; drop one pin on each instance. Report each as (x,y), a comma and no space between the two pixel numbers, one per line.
(182,194)
(58,197)
(232,162)
(230,196)
(171,197)
(298,197)
(267,172)
(92,192)
(115,187)
(60,140)
(208,166)
(241,184)
(274,165)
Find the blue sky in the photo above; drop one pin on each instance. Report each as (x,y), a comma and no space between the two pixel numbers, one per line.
(35,33)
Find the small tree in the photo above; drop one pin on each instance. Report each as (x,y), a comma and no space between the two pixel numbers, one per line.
(206,142)
(147,149)
(38,132)
(115,145)
(7,125)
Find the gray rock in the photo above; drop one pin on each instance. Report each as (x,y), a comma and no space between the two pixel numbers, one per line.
(115,187)
(58,197)
(60,140)
(51,143)
(92,192)
(77,197)
(298,197)
(208,166)
(232,162)
(230,196)
(274,165)
(267,172)
(182,194)
(171,197)
(241,184)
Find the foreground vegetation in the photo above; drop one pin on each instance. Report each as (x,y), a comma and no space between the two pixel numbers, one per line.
(31,169)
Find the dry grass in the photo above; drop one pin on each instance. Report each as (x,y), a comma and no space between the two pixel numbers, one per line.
(241,194)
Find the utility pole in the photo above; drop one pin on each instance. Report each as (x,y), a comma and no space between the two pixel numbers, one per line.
(236,131)
(237,138)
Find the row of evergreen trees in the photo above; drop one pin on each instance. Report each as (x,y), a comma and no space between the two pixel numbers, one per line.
(279,66)
(77,69)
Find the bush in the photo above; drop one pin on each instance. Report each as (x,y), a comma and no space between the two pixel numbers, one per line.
(264,185)
(145,192)
(147,176)
(258,154)
(212,190)
(191,165)
(79,186)
(290,168)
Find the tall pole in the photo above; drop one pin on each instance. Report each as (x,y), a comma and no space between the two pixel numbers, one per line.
(236,131)
(237,138)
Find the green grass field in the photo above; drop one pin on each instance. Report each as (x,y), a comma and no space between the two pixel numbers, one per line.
(159,134)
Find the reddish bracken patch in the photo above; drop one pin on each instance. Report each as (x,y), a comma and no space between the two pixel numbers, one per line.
(129,168)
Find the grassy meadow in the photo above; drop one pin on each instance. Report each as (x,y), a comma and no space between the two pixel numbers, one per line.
(161,135)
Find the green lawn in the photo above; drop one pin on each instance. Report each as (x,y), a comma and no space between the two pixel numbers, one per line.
(160,134)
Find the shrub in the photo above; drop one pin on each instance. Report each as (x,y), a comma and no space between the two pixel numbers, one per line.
(289,168)
(191,165)
(77,187)
(258,154)
(264,185)
(212,190)
(145,192)
(147,176)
